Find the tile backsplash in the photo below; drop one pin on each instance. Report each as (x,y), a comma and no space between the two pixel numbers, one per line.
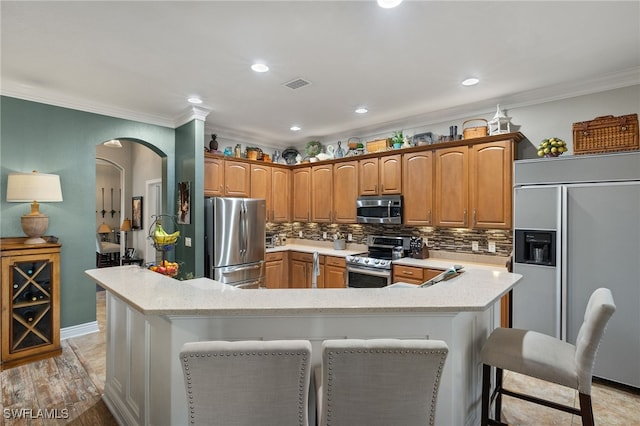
(458,240)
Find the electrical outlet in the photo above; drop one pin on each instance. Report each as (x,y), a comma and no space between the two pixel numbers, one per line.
(474,246)
(324,235)
(492,247)
(350,237)
(187,241)
(300,234)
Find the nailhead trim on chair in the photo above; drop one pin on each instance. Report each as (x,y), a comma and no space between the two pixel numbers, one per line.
(394,351)
(185,360)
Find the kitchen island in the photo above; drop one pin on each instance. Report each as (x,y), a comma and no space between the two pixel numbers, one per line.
(150,317)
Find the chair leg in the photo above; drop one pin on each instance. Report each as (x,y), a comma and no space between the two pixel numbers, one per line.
(586,410)
(498,407)
(486,390)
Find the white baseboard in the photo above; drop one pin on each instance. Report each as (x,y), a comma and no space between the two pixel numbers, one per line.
(79,330)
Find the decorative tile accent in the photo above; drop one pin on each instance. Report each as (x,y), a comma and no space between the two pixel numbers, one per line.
(446,239)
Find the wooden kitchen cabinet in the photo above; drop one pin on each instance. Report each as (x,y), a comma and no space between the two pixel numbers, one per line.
(301,211)
(213,177)
(30,302)
(272,184)
(473,185)
(345,192)
(301,268)
(335,272)
(237,179)
(413,274)
(452,187)
(417,188)
(281,191)
(321,193)
(491,184)
(276,270)
(381,175)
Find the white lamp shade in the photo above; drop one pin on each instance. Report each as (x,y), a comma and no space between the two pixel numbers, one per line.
(28,187)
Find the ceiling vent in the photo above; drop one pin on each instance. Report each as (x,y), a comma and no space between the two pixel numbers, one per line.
(297,83)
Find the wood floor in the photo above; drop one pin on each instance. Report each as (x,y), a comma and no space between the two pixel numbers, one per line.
(70,386)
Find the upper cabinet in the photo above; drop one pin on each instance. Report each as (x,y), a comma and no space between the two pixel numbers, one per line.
(345,191)
(473,185)
(381,175)
(322,193)
(452,187)
(237,179)
(273,184)
(417,188)
(301,211)
(213,177)
(491,184)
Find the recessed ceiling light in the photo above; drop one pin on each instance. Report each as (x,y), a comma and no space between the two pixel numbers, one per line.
(294,128)
(361,110)
(194,100)
(470,81)
(388,4)
(258,67)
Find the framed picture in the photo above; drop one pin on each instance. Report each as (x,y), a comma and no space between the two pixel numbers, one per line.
(130,253)
(136,213)
(184,203)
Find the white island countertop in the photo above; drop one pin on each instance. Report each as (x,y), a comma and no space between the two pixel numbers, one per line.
(151,293)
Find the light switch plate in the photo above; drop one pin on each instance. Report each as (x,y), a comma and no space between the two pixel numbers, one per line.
(350,237)
(300,234)
(324,235)
(187,241)
(492,247)
(474,246)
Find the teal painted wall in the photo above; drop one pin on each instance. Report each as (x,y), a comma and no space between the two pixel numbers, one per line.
(63,141)
(190,168)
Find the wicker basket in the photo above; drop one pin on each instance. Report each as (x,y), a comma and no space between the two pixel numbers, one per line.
(606,134)
(378,145)
(475,132)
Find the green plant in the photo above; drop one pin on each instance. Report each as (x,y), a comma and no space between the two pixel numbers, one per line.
(397,137)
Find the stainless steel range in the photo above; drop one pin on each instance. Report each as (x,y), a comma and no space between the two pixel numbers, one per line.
(373,269)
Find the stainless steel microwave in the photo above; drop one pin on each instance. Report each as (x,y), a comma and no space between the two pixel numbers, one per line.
(379,209)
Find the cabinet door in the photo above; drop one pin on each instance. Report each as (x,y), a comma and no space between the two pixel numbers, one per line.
(261,187)
(334,272)
(452,187)
(345,192)
(368,171)
(213,177)
(407,274)
(417,184)
(390,174)
(301,194)
(274,271)
(30,319)
(298,274)
(491,185)
(281,188)
(321,193)
(237,178)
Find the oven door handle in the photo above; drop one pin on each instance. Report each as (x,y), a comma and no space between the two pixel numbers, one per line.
(376,273)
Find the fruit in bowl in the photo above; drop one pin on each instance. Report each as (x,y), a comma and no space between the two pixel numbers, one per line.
(552,147)
(166,268)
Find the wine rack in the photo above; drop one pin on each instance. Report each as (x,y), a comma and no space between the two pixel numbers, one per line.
(30,301)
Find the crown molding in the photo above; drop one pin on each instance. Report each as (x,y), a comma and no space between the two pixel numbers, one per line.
(191,113)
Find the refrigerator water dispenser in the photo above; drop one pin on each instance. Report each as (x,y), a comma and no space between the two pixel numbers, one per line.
(535,247)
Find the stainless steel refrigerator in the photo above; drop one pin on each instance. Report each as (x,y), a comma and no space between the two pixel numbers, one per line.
(585,210)
(235,241)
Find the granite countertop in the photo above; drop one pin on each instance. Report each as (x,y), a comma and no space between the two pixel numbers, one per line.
(154,294)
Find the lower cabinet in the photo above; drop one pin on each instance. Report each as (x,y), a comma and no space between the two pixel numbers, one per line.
(30,320)
(335,272)
(277,270)
(301,270)
(413,274)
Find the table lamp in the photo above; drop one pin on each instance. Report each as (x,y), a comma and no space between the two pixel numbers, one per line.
(34,188)
(125,227)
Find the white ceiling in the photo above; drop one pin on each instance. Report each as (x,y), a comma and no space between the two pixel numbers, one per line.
(141,60)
